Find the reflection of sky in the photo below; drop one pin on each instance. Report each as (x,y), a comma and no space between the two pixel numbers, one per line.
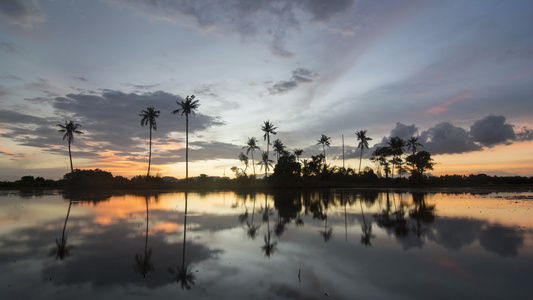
(469,252)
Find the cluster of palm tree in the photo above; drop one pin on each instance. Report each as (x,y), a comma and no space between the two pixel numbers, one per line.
(280,150)
(390,157)
(149,116)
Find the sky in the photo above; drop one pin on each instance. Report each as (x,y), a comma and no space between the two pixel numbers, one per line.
(456,74)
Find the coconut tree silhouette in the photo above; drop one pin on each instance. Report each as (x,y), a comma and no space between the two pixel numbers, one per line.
(251,146)
(268,128)
(148,118)
(279,148)
(367,230)
(396,145)
(412,144)
(265,163)
(363,143)
(324,141)
(328,232)
(61,250)
(183,275)
(298,152)
(187,107)
(143,263)
(70,128)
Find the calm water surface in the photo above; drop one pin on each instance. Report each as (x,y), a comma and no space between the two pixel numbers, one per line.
(312,244)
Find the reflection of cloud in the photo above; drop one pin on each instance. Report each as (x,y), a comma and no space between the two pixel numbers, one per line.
(501,240)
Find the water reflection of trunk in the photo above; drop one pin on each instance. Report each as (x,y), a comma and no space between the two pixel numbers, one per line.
(61,250)
(143,263)
(367,230)
(252,228)
(422,213)
(269,246)
(183,276)
(327,233)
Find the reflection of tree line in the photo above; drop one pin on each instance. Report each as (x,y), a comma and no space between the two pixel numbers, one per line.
(397,214)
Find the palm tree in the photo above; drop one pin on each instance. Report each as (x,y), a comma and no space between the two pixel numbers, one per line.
(279,148)
(251,146)
(69,129)
(183,276)
(187,107)
(412,143)
(149,115)
(324,141)
(269,129)
(396,145)
(265,162)
(62,251)
(361,136)
(298,152)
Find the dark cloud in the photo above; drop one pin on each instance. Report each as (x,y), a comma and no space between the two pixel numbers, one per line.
(21,12)
(142,86)
(249,19)
(445,138)
(492,130)
(299,76)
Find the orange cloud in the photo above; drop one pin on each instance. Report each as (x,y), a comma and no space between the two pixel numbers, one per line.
(444,106)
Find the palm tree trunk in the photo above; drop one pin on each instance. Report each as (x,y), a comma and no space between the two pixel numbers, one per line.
(70,155)
(186,146)
(150,152)
(253,163)
(146,238)
(360,159)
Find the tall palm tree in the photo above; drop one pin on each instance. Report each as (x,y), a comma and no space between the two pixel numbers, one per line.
(279,148)
(184,276)
(149,115)
(268,128)
(251,146)
(363,143)
(62,251)
(324,141)
(187,107)
(70,128)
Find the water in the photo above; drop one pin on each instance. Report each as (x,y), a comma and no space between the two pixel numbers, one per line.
(293,244)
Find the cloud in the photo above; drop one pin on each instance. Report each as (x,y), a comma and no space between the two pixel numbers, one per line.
(249,19)
(9,47)
(492,130)
(21,12)
(299,76)
(445,138)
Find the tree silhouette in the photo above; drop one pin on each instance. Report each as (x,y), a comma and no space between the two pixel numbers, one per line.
(268,128)
(412,144)
(187,107)
(70,128)
(279,148)
(265,163)
(363,143)
(148,118)
(269,247)
(251,146)
(421,162)
(367,230)
(324,141)
(298,152)
(244,159)
(143,263)
(396,145)
(252,228)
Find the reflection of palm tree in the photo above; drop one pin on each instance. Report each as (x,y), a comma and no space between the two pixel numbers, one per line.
(269,246)
(69,129)
(327,233)
(186,108)
(149,115)
(252,228)
(367,230)
(183,276)
(361,136)
(62,251)
(143,263)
